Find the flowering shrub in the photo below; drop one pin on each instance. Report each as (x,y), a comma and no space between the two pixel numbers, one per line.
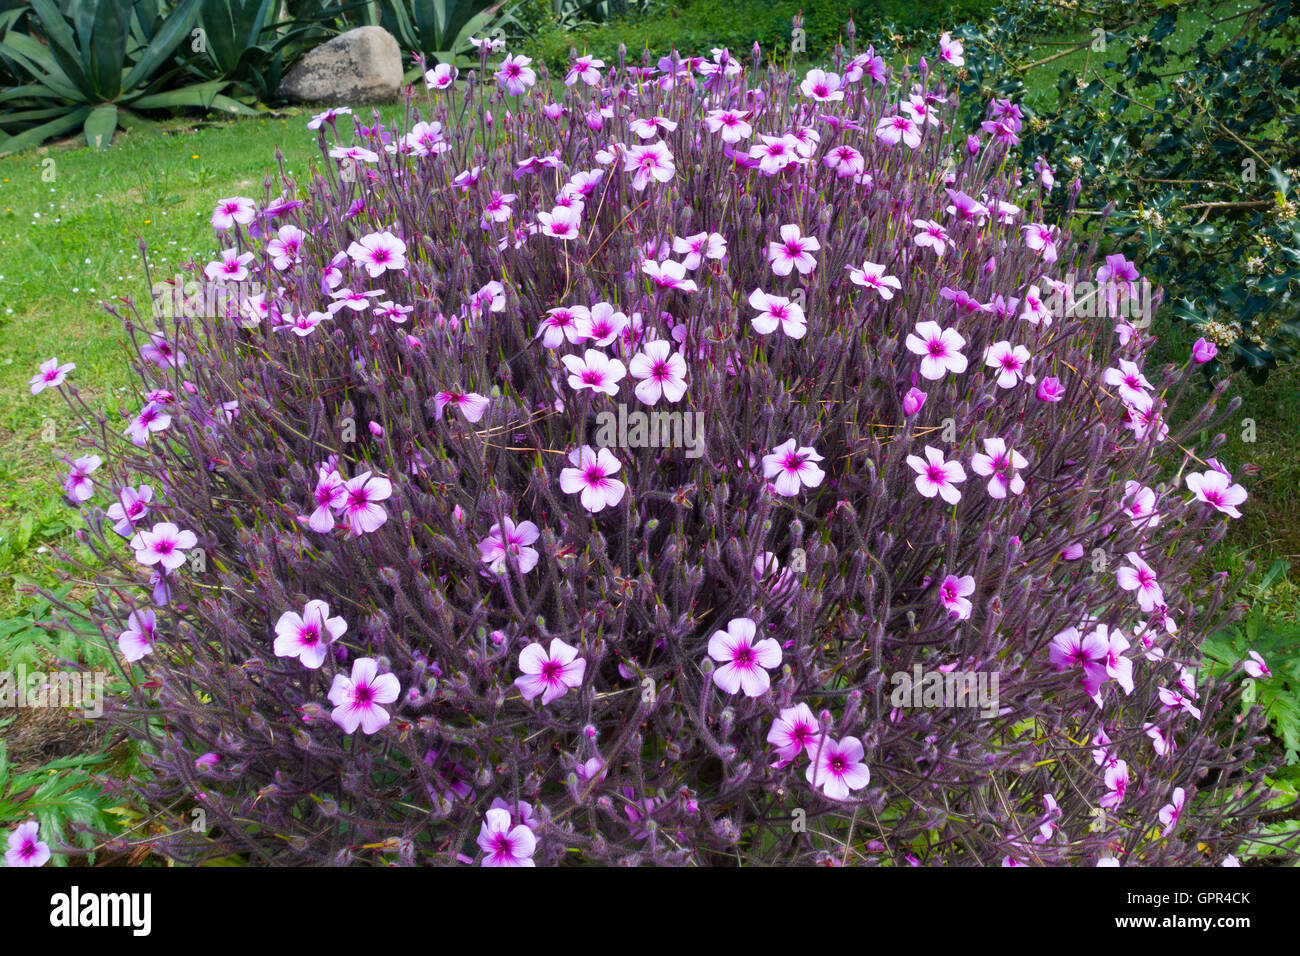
(417,558)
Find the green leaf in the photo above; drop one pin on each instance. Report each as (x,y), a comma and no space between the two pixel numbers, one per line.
(39,134)
(100,125)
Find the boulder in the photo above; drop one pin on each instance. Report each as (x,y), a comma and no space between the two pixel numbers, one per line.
(362,66)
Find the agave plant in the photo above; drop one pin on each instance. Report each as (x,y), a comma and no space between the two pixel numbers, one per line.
(95,67)
(439,29)
(252,42)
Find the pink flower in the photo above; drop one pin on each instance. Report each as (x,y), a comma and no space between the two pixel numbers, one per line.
(507,538)
(51,375)
(650,162)
(561,323)
(950,50)
(661,373)
(591,478)
(130,507)
(361,508)
(24,847)
(550,673)
(932,235)
(441,77)
(846,161)
(153,418)
(78,484)
(233,266)
(872,276)
(668,275)
(1170,812)
(796,730)
(1129,381)
(1203,351)
(744,663)
(892,129)
(1009,360)
(774,311)
(161,353)
(329,494)
(503,844)
(140,635)
(913,401)
(837,767)
(562,222)
(515,74)
(936,476)
(790,469)
(1050,389)
(1042,240)
(307,636)
(940,348)
(1116,785)
(1069,649)
(379,252)
(1140,505)
(1215,488)
(595,371)
(775,153)
(165,544)
(1142,579)
(730,123)
(794,251)
(1000,464)
(470,404)
(356,699)
(1255,667)
(953,594)
(238,209)
(585,68)
(701,246)
(822,87)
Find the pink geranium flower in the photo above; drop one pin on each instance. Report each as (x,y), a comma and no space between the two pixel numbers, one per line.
(953,594)
(507,538)
(516,74)
(790,469)
(550,674)
(51,375)
(361,508)
(357,699)
(777,311)
(872,276)
(591,477)
(130,507)
(140,635)
(1010,362)
(1255,667)
(378,252)
(745,663)
(795,731)
(78,484)
(1215,488)
(934,476)
(1141,579)
(1000,465)
(794,251)
(503,844)
(470,404)
(25,849)
(1171,811)
(837,767)
(661,373)
(165,544)
(940,350)
(595,371)
(307,636)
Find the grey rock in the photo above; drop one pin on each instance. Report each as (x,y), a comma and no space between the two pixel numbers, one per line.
(362,66)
